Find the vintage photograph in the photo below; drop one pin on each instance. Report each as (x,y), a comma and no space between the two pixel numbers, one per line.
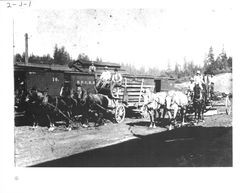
(123,87)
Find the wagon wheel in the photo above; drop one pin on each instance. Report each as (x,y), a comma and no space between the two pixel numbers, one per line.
(120,113)
(228,105)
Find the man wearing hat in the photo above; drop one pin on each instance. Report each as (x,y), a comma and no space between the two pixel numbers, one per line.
(21,88)
(116,78)
(78,89)
(104,78)
(92,68)
(190,89)
(198,79)
(65,92)
(211,86)
(191,84)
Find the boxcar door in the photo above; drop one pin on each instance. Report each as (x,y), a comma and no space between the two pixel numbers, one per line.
(157,85)
(54,82)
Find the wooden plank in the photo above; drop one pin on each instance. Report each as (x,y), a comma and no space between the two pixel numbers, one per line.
(133,89)
(134,100)
(134,94)
(138,86)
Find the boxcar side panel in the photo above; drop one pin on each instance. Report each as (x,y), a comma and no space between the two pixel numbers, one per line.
(36,79)
(45,80)
(87,81)
(54,82)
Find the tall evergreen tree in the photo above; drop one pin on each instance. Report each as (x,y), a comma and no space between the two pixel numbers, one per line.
(230,62)
(83,57)
(61,56)
(210,62)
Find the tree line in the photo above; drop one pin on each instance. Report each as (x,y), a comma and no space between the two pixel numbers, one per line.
(60,56)
(222,63)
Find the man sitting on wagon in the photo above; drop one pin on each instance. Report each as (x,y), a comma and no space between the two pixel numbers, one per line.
(116,82)
(117,79)
(105,79)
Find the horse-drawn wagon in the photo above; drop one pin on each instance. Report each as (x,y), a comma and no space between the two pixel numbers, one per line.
(114,105)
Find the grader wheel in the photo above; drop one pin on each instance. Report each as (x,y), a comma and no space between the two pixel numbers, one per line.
(120,113)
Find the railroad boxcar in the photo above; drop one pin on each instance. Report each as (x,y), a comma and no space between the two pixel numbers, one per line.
(50,78)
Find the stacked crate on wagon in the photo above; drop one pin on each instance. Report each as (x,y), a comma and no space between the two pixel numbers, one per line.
(133,89)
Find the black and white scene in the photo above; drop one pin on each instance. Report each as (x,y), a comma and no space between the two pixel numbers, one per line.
(123,87)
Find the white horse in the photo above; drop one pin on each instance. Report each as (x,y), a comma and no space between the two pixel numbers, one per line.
(176,100)
(153,102)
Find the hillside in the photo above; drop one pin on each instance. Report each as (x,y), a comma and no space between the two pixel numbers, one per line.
(223,83)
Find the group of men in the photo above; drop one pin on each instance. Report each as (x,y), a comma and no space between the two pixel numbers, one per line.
(106,76)
(105,79)
(200,79)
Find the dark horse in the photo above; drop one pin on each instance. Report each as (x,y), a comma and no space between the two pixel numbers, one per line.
(41,104)
(35,107)
(79,109)
(96,104)
(199,102)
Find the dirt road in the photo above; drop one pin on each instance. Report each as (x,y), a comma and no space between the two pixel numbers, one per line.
(131,143)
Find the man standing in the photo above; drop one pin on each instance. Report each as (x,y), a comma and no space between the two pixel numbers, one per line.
(190,90)
(92,68)
(191,85)
(78,90)
(198,79)
(211,86)
(65,92)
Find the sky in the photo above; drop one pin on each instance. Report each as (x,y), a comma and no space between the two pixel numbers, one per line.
(141,37)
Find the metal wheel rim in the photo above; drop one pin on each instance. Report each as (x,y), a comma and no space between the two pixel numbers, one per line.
(119,113)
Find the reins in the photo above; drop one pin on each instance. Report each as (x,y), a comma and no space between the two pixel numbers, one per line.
(55,107)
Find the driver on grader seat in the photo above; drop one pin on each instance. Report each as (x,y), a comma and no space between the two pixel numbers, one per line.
(105,79)
(117,79)
(116,82)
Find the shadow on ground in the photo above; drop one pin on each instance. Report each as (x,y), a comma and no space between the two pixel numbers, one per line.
(182,147)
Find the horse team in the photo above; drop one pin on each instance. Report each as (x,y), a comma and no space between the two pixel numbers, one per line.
(92,106)
(174,103)
(68,109)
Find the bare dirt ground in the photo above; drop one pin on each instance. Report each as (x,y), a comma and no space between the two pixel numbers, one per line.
(130,143)
(33,146)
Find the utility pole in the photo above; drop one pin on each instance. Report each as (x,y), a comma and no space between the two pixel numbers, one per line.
(26,49)
(14,58)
